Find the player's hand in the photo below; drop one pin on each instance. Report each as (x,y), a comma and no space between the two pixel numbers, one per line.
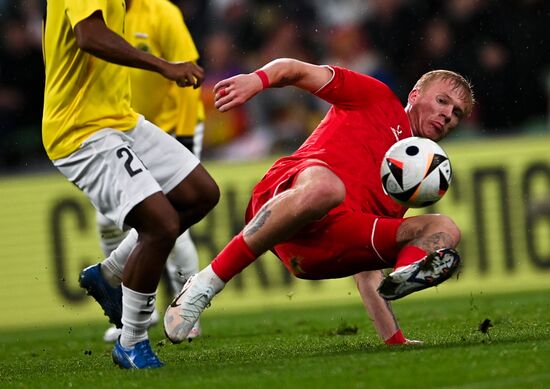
(235,91)
(184,73)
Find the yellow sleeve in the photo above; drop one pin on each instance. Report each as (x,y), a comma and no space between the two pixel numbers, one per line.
(184,107)
(174,36)
(78,10)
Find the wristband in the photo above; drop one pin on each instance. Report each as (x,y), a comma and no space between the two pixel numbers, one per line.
(396,338)
(263,78)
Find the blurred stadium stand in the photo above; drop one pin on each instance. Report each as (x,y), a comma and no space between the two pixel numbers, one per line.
(501,46)
(500,192)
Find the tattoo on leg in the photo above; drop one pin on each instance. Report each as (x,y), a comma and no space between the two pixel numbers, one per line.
(434,242)
(256,223)
(406,232)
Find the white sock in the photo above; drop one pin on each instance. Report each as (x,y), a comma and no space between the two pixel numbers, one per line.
(113,266)
(182,262)
(110,236)
(208,276)
(137,309)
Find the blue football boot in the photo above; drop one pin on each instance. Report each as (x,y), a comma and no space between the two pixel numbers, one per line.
(138,357)
(109,298)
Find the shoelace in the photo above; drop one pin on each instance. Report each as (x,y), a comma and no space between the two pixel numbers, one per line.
(198,304)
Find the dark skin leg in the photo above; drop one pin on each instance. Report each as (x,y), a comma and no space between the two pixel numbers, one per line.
(159,220)
(194,197)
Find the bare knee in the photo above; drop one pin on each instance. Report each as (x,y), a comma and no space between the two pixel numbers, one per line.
(157,223)
(208,199)
(446,225)
(429,231)
(441,231)
(161,232)
(320,192)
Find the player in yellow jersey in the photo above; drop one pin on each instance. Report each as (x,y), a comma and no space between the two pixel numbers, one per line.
(157,27)
(133,172)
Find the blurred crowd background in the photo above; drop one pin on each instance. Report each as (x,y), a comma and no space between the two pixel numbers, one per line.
(501,46)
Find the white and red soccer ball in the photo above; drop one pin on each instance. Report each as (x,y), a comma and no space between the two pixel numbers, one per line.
(416,172)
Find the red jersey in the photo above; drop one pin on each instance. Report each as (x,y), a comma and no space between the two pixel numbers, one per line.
(365,120)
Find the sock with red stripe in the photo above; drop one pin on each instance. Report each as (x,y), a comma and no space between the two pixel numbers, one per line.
(408,255)
(396,338)
(233,259)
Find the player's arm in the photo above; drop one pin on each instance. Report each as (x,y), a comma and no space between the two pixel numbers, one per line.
(237,90)
(94,37)
(378,309)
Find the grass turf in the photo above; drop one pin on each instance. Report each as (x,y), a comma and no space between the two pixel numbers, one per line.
(321,347)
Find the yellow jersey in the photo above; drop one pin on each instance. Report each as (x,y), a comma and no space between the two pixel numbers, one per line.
(157,27)
(83,94)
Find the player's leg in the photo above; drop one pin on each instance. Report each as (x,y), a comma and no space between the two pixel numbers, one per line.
(122,188)
(193,197)
(352,244)
(182,263)
(313,192)
(190,191)
(110,237)
(340,245)
(427,256)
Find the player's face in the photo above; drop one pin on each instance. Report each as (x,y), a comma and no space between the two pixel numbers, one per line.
(436,109)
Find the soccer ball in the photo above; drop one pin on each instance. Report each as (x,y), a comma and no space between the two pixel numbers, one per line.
(416,172)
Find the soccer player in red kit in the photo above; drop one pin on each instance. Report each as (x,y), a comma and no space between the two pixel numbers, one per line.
(322,210)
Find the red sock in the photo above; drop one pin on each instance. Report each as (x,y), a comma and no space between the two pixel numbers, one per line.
(396,338)
(408,255)
(233,259)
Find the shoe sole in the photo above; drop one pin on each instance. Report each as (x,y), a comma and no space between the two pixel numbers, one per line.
(444,263)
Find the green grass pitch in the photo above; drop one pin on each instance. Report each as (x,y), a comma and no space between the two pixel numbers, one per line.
(320,347)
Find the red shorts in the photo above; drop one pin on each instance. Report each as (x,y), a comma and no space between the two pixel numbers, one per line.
(343,243)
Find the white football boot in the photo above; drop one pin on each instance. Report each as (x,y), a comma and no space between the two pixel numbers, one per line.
(195,332)
(195,296)
(424,273)
(112,333)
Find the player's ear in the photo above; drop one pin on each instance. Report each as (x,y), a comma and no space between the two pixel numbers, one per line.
(413,94)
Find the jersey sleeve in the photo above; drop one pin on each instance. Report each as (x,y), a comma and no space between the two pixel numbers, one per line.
(352,90)
(174,36)
(78,10)
(181,104)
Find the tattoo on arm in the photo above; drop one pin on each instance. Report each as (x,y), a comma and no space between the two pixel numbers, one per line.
(257,222)
(434,242)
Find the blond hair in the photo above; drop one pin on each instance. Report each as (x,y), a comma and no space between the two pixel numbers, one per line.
(458,81)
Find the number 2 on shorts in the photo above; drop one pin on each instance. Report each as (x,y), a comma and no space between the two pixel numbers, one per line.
(123,151)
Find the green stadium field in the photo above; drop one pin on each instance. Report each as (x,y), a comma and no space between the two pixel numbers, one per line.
(271,330)
(316,347)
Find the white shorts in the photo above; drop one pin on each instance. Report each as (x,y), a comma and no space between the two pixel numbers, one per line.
(117,170)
